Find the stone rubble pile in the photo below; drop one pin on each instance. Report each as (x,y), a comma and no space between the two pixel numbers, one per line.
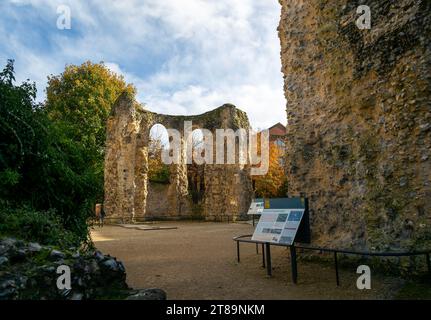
(29,271)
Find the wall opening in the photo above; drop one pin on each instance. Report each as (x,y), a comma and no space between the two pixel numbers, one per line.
(158,172)
(195,171)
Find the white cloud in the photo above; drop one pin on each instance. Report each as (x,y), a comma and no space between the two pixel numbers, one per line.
(184,56)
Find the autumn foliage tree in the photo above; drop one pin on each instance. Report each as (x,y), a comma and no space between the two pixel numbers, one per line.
(82,97)
(79,100)
(47,181)
(274,183)
(52,153)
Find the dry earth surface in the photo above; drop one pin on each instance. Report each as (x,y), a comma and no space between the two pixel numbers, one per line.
(198,261)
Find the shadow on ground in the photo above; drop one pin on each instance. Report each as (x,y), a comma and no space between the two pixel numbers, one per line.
(198,261)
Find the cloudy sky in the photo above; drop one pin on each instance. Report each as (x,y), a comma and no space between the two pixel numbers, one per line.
(184,56)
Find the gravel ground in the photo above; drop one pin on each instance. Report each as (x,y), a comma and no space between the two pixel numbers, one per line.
(198,261)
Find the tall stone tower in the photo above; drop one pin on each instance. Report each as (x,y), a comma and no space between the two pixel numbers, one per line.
(359,119)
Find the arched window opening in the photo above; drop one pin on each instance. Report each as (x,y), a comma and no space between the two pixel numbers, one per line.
(158,172)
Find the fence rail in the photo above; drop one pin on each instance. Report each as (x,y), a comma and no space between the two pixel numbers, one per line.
(266,254)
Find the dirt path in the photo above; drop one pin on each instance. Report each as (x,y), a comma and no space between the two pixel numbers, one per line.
(198,261)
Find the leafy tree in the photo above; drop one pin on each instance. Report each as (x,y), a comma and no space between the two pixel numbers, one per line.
(82,97)
(19,126)
(41,168)
(79,101)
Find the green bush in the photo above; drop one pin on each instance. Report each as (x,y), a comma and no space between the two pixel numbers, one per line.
(43,227)
(162,175)
(42,169)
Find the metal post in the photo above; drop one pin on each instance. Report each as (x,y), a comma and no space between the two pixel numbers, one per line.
(294,264)
(336,269)
(237,251)
(263,256)
(268,260)
(253,219)
(257,248)
(428,263)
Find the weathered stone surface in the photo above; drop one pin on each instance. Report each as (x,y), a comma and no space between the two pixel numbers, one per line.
(56,255)
(147,294)
(34,247)
(358,105)
(34,275)
(128,194)
(156,199)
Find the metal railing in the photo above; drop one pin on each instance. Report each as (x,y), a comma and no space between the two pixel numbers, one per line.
(266,255)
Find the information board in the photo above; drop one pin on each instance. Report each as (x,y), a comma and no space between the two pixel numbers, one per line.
(278,225)
(256,207)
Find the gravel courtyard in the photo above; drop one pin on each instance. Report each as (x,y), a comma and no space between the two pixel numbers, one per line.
(198,261)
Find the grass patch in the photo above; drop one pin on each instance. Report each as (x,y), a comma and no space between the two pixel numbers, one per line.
(418,289)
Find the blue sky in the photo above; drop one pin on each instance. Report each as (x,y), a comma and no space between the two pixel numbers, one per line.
(184,56)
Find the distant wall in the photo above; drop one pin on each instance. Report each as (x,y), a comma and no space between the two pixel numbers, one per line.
(157,204)
(128,194)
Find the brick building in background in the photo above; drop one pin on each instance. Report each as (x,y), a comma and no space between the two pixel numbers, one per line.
(277,134)
(277,139)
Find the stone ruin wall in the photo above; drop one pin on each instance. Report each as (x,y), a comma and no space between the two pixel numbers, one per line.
(359,120)
(156,200)
(130,197)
